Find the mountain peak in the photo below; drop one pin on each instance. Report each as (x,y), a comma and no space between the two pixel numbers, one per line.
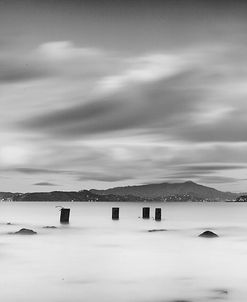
(163,190)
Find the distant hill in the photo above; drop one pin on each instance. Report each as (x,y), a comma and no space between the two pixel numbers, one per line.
(83,195)
(164,190)
(187,191)
(6,195)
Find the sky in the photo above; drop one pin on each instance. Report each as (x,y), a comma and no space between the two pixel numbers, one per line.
(98,94)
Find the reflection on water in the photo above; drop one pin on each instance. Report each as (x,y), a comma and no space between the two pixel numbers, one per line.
(97,259)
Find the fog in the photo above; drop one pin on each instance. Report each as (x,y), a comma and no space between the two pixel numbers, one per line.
(96,259)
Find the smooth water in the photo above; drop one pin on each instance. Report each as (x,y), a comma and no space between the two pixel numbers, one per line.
(97,259)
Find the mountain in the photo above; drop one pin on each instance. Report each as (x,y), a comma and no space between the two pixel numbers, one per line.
(166,190)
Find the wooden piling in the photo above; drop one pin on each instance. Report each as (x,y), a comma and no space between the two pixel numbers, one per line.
(64,215)
(145,213)
(115,213)
(158,214)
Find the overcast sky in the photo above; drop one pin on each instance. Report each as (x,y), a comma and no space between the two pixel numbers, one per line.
(96,94)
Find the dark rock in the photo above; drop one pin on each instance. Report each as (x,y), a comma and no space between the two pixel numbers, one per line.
(180,301)
(157,230)
(208,234)
(49,227)
(25,232)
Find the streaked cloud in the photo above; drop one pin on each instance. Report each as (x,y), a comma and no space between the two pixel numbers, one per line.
(65,50)
(38,171)
(83,112)
(45,183)
(155,91)
(215,180)
(211,168)
(21,69)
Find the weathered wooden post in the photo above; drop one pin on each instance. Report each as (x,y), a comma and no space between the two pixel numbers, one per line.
(115,213)
(145,212)
(158,214)
(64,215)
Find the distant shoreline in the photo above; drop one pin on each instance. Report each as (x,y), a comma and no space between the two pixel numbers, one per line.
(160,192)
(122,201)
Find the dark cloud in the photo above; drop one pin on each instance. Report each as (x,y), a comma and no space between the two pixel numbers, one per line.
(183,106)
(69,119)
(154,105)
(107,177)
(40,171)
(13,70)
(212,168)
(44,183)
(172,106)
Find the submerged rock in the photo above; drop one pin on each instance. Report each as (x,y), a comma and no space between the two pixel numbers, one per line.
(49,227)
(208,234)
(221,291)
(219,294)
(25,232)
(181,301)
(157,230)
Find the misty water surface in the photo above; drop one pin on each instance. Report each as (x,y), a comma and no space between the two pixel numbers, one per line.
(96,259)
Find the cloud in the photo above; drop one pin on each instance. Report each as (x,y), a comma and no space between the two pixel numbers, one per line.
(120,111)
(211,168)
(218,180)
(65,50)
(22,69)
(109,117)
(69,118)
(79,175)
(180,96)
(44,183)
(144,69)
(57,59)
(105,177)
(39,171)
(15,154)
(74,63)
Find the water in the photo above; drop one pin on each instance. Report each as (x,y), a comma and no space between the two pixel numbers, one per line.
(97,259)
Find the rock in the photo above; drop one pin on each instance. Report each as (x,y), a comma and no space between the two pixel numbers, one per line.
(208,234)
(181,301)
(25,232)
(49,227)
(157,230)
(221,291)
(219,294)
